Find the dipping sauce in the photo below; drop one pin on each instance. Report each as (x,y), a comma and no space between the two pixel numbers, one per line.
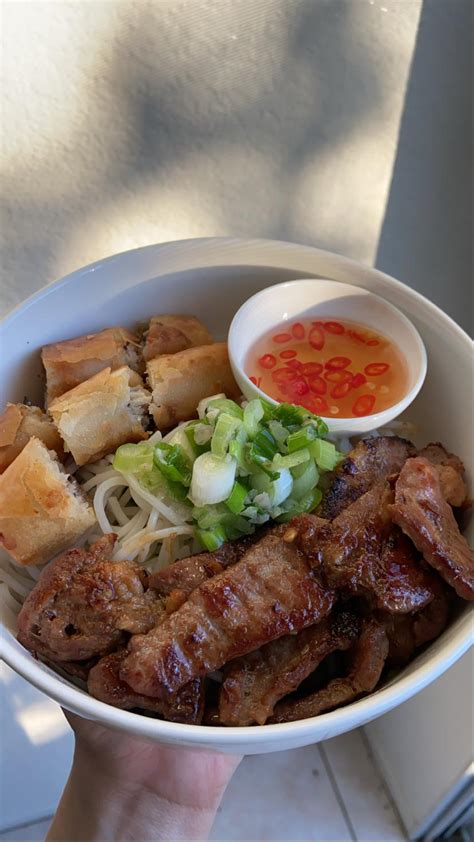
(333,367)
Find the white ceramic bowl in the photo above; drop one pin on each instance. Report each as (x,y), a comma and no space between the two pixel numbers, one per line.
(212,278)
(318,299)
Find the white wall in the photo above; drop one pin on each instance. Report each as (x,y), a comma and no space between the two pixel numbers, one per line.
(133,122)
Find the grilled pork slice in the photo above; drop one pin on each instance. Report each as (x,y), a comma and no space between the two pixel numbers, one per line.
(255,683)
(104,683)
(83,603)
(364,554)
(270,592)
(424,515)
(371,461)
(408,632)
(450,470)
(188,573)
(368,659)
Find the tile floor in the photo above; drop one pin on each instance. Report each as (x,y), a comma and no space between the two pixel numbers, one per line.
(327,793)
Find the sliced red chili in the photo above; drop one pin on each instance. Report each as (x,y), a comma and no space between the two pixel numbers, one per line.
(376,369)
(341,390)
(312,368)
(334,327)
(299,388)
(284,375)
(267,361)
(298,330)
(253,379)
(317,384)
(282,337)
(356,336)
(295,365)
(358,380)
(338,376)
(373,342)
(364,405)
(319,405)
(316,338)
(338,362)
(287,355)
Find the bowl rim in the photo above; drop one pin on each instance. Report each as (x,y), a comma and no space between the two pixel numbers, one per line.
(342,719)
(371,706)
(338,425)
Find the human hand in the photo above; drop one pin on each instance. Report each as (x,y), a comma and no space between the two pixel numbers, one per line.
(187,777)
(126,787)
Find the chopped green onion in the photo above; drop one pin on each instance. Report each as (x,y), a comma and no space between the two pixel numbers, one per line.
(211,539)
(185,442)
(302,438)
(255,515)
(311,500)
(264,444)
(268,409)
(227,406)
(208,517)
(265,466)
(325,454)
(133,458)
(260,482)
(212,479)
(194,429)
(239,467)
(291,460)
(236,500)
(281,488)
(288,414)
(203,434)
(306,480)
(319,425)
(225,429)
(278,489)
(178,490)
(296,507)
(278,431)
(263,501)
(253,414)
(236,526)
(173,463)
(238,451)
(204,404)
(261,451)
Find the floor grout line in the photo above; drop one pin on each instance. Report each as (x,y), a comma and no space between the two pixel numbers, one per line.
(337,793)
(386,789)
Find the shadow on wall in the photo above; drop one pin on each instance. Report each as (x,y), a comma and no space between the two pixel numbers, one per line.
(213,115)
(426,238)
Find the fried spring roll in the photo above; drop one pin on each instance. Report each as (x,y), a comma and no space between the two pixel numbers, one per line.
(179,381)
(41,510)
(71,362)
(102,413)
(18,423)
(170,334)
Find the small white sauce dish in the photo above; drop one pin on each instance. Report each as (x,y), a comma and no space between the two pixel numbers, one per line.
(317,299)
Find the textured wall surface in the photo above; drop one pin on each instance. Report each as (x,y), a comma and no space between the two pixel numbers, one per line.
(126,123)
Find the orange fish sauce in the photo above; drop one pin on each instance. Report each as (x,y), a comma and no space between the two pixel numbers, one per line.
(333,367)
